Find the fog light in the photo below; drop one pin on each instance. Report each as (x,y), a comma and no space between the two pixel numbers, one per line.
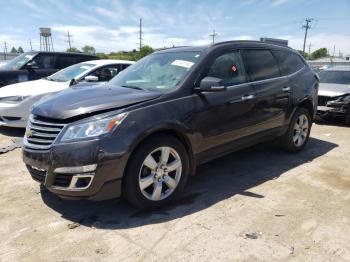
(76,169)
(81,181)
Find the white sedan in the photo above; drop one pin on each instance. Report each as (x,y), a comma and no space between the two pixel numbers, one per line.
(16,100)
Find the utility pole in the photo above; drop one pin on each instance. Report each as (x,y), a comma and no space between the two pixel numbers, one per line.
(307,26)
(140,32)
(5,50)
(69,41)
(309,49)
(30,43)
(213,35)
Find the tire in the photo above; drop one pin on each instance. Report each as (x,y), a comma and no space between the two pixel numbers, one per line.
(297,135)
(143,176)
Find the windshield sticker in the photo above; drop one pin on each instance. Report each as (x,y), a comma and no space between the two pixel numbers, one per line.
(182,63)
(29,56)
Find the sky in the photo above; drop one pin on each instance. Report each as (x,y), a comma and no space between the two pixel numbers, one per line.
(112,25)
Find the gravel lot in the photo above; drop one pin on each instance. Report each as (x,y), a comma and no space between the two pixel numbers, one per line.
(256,204)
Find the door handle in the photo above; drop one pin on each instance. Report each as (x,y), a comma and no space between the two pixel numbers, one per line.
(286,89)
(247,97)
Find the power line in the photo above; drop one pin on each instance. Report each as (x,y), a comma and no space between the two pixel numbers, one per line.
(307,26)
(213,35)
(69,40)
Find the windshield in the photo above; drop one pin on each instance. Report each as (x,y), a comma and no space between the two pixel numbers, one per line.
(335,77)
(18,62)
(161,72)
(70,72)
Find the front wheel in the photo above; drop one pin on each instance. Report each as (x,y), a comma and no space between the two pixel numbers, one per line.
(298,131)
(156,173)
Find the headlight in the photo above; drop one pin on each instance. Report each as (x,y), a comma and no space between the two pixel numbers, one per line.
(93,128)
(12,99)
(344,98)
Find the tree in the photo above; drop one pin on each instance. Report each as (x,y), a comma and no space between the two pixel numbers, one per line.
(89,49)
(13,50)
(146,50)
(73,50)
(20,50)
(322,52)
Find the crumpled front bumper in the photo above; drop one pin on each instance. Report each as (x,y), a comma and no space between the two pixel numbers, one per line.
(334,109)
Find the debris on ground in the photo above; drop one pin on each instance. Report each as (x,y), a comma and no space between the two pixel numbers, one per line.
(73,225)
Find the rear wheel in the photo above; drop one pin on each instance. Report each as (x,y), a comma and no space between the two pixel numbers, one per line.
(156,173)
(298,131)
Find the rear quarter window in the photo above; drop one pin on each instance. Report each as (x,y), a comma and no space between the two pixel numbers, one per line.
(289,63)
(260,64)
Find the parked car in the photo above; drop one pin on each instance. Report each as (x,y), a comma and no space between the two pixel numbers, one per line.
(35,65)
(334,94)
(141,135)
(16,100)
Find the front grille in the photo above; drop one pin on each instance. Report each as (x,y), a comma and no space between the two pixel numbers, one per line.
(63,180)
(40,134)
(37,174)
(322,100)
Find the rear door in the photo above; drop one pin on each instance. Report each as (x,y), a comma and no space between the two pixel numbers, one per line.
(65,60)
(290,63)
(271,91)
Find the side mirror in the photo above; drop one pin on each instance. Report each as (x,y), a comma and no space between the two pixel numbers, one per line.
(91,79)
(31,66)
(211,84)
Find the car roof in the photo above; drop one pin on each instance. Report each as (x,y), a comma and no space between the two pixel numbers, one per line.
(234,43)
(338,68)
(108,62)
(60,53)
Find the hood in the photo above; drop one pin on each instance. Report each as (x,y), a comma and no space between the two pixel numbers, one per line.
(332,90)
(75,102)
(32,88)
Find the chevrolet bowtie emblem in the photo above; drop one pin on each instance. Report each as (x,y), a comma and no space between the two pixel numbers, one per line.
(28,133)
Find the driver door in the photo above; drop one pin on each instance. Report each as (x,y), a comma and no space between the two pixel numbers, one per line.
(227,115)
(42,65)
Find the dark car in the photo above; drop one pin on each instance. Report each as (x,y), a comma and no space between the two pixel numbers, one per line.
(334,94)
(144,132)
(35,65)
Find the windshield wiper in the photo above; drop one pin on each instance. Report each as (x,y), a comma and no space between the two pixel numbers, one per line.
(134,87)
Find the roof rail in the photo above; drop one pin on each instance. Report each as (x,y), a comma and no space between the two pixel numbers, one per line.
(166,48)
(249,41)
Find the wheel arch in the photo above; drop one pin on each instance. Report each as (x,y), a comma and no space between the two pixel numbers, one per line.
(308,105)
(172,130)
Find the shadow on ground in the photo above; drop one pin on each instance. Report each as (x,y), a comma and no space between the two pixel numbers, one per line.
(215,181)
(11,131)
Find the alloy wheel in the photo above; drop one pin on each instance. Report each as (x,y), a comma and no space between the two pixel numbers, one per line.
(300,131)
(160,173)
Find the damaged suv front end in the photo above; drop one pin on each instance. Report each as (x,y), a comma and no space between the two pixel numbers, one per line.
(334,94)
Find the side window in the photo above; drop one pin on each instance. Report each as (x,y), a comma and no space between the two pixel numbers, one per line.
(289,63)
(64,61)
(105,73)
(260,64)
(228,67)
(45,61)
(124,66)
